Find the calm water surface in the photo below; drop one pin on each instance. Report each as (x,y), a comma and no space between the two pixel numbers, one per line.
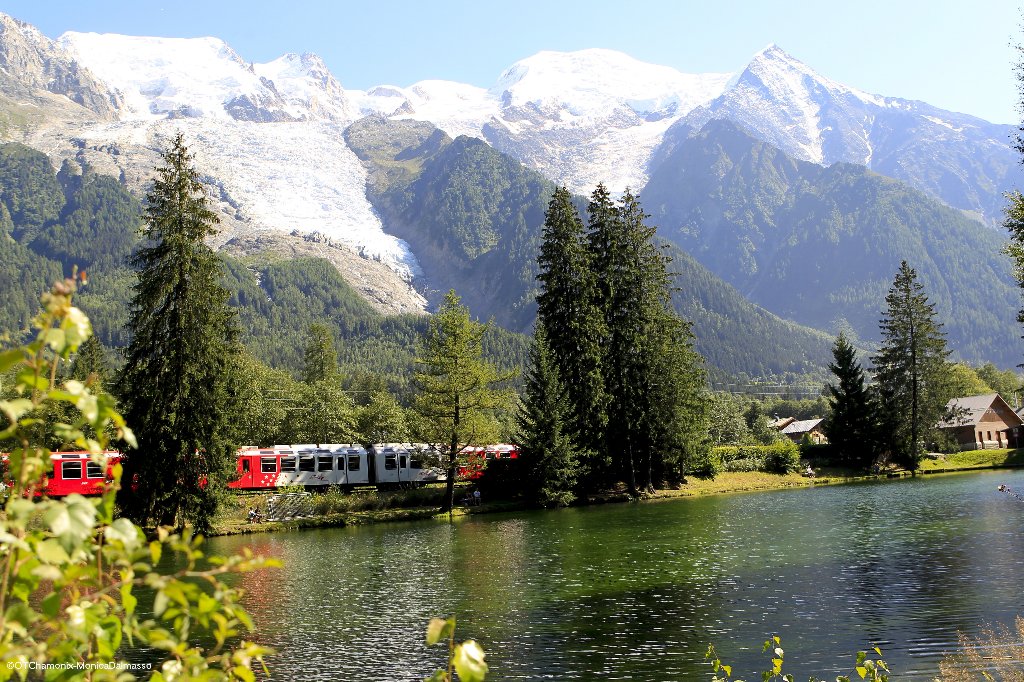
(636,592)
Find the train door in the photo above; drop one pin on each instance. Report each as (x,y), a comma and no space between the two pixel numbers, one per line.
(385,460)
(306,474)
(325,474)
(358,467)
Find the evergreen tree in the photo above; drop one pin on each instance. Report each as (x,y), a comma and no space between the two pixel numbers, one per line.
(173,384)
(910,368)
(320,360)
(547,443)
(679,402)
(567,310)
(851,429)
(458,391)
(90,363)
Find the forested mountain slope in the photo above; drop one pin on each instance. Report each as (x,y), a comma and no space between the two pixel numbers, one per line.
(821,245)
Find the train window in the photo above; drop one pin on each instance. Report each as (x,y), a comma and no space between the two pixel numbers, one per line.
(403,462)
(268,465)
(307,463)
(287,464)
(325,463)
(353,462)
(415,463)
(390,462)
(93,470)
(70,470)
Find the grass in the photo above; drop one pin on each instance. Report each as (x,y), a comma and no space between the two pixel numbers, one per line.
(974,459)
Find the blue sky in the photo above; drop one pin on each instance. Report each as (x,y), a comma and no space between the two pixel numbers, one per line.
(953,54)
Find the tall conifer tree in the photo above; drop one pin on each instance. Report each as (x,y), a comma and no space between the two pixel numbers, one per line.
(547,442)
(574,325)
(851,429)
(910,367)
(173,384)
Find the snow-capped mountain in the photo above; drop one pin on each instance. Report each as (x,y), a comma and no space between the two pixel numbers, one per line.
(271,135)
(579,118)
(963,160)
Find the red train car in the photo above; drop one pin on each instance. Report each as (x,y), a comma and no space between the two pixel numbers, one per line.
(76,472)
(479,456)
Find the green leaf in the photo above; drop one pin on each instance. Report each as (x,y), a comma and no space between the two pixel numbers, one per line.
(727,669)
(71,521)
(9,358)
(14,409)
(51,552)
(124,531)
(438,676)
(469,662)
(438,629)
(861,655)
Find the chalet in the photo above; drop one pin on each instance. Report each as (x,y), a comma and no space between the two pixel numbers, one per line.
(814,429)
(982,421)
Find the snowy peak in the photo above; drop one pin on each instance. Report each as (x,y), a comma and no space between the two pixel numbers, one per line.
(31,61)
(586,82)
(204,78)
(178,77)
(307,86)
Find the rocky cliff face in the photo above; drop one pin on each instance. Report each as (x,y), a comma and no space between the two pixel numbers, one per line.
(30,61)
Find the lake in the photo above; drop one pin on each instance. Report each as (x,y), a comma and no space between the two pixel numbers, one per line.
(637,591)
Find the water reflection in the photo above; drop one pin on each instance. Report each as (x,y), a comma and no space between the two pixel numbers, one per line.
(638,591)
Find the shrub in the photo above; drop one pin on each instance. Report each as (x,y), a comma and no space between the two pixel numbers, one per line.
(780,458)
(70,568)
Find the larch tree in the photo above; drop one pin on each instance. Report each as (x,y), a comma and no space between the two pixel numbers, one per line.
(910,368)
(320,359)
(173,386)
(851,429)
(574,325)
(458,392)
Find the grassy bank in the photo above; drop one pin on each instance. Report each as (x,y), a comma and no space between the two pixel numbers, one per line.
(335,508)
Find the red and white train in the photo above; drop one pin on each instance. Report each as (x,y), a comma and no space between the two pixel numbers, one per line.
(314,466)
(386,465)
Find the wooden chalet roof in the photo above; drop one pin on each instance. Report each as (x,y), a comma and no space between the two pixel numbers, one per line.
(968,411)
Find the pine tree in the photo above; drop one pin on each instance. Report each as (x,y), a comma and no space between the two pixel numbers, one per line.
(679,403)
(458,391)
(173,383)
(574,325)
(547,444)
(90,362)
(909,368)
(851,429)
